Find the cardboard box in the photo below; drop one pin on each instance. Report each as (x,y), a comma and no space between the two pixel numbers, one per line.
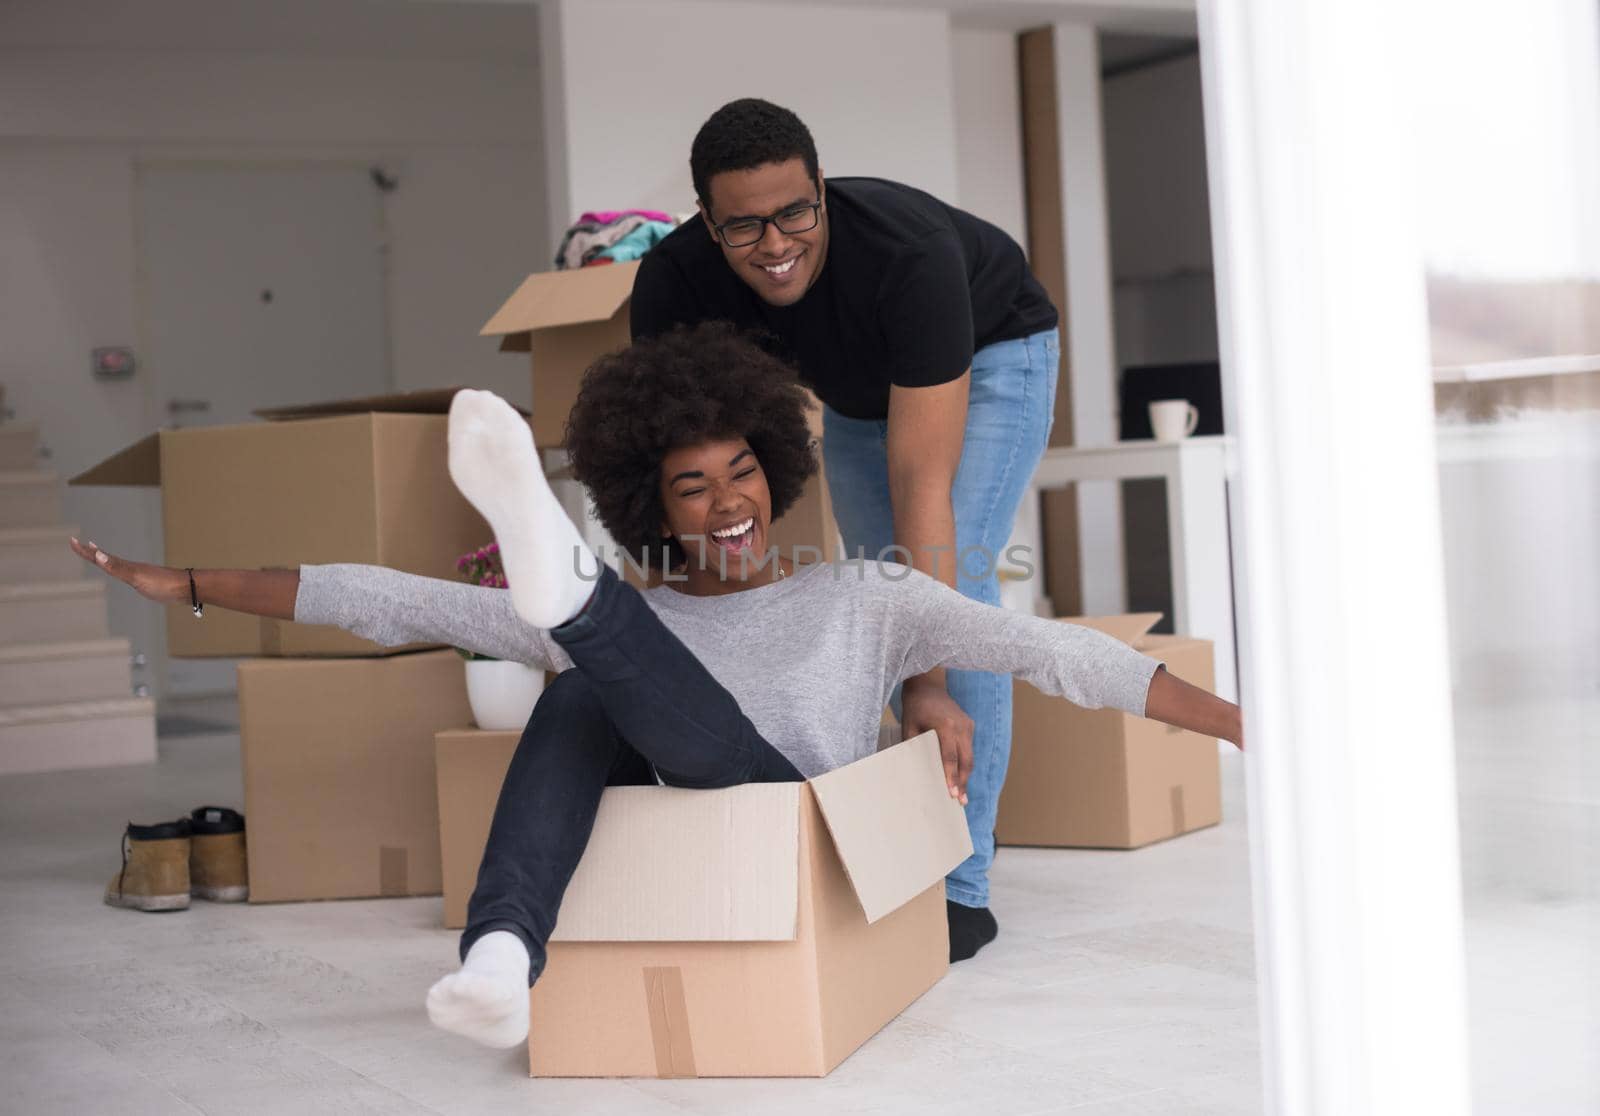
(808,524)
(339,783)
(766,930)
(1103,778)
(361,480)
(565,320)
(471,764)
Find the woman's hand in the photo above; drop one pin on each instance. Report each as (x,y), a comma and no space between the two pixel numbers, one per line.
(157,583)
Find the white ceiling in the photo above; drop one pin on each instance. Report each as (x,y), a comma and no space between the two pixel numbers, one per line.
(319,28)
(502,30)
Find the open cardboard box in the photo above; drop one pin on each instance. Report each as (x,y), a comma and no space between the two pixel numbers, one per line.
(360,480)
(764,930)
(565,320)
(1102,778)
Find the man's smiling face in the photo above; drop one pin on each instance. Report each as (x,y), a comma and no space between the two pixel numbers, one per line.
(781,266)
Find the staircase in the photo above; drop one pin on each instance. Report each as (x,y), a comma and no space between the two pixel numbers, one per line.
(66,686)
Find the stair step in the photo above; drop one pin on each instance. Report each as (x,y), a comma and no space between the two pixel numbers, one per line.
(19,445)
(37,554)
(77,734)
(29,498)
(52,611)
(57,673)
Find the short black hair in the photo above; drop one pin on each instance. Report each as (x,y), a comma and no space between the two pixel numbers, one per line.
(683,388)
(745,134)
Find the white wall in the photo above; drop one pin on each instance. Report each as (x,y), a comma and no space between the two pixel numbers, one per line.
(988,100)
(638,80)
(444,97)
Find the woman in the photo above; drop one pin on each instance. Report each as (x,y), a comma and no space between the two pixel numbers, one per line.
(740,668)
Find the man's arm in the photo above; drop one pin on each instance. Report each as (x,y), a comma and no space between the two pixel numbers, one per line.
(926,429)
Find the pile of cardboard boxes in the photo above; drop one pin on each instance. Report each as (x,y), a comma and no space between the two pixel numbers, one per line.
(337,733)
(759,930)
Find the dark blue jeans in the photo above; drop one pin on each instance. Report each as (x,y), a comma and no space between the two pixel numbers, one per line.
(635,700)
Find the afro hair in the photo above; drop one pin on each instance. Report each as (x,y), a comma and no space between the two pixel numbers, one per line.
(745,134)
(683,388)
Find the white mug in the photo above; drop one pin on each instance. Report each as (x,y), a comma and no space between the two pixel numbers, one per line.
(1173,419)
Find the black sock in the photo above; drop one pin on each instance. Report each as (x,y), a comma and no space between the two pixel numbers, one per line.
(971,928)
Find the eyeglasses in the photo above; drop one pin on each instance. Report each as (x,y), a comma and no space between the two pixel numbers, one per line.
(742,232)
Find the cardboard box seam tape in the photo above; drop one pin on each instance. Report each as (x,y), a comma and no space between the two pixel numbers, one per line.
(669,1021)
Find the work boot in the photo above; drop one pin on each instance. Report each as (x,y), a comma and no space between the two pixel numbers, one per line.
(216,855)
(155,868)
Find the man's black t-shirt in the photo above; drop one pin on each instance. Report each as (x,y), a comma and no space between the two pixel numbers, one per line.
(910,289)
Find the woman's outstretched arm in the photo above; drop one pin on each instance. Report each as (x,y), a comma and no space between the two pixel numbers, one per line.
(1086,667)
(386,606)
(257,592)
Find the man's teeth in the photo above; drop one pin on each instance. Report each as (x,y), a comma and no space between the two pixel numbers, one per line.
(782,269)
(734,531)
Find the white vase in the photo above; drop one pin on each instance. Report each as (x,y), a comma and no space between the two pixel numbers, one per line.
(502,693)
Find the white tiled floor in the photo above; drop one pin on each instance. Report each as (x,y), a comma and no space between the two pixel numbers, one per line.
(1123,983)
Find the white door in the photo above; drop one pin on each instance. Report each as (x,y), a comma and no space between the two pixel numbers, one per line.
(261,285)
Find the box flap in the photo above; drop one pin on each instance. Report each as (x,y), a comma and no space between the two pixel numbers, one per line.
(670,865)
(561,298)
(1127,628)
(894,823)
(432,401)
(139,464)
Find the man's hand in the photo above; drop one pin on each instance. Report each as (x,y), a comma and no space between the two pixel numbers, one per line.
(926,704)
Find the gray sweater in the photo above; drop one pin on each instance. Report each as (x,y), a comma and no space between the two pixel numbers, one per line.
(811,659)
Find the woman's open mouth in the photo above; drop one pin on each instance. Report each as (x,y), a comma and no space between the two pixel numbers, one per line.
(736,536)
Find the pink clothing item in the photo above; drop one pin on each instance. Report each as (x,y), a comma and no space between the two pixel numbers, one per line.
(606,216)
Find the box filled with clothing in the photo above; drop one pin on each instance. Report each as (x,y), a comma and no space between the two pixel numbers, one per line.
(339,782)
(1103,778)
(765,930)
(362,480)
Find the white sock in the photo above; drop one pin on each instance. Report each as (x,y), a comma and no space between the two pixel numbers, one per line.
(487,999)
(495,465)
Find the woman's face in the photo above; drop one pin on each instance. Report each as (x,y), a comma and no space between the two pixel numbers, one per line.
(718,507)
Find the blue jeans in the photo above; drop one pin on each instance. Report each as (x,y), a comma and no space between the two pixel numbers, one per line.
(1011,405)
(636,704)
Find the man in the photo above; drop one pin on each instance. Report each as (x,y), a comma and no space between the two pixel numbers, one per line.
(935,354)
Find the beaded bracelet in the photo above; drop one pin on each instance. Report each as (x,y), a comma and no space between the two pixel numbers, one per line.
(194,597)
